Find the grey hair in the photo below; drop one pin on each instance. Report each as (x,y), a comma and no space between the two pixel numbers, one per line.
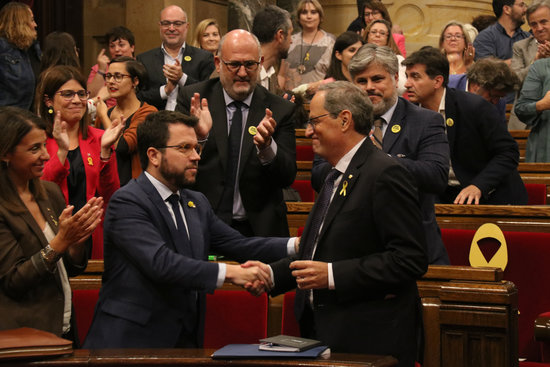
(222,41)
(535,6)
(343,95)
(372,54)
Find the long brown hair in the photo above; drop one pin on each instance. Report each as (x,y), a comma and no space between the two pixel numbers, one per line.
(16,123)
(50,81)
(14,25)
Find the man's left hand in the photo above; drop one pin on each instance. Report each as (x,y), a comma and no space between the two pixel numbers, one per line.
(469,195)
(310,274)
(173,72)
(265,130)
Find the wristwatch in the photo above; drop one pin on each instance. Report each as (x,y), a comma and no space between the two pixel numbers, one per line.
(49,255)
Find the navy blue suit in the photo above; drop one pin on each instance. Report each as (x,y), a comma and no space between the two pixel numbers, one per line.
(420,145)
(197,64)
(151,293)
(483,153)
(374,239)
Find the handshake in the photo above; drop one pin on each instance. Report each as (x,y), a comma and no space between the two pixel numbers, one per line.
(255,276)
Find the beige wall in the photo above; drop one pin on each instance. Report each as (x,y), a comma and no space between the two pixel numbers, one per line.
(421,20)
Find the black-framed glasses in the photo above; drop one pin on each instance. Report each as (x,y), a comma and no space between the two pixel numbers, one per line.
(176,23)
(313,121)
(186,149)
(68,94)
(118,77)
(234,66)
(456,36)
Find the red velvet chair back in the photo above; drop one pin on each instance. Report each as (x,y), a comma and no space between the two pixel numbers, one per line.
(528,259)
(289,325)
(536,194)
(305,190)
(234,317)
(304,153)
(84,301)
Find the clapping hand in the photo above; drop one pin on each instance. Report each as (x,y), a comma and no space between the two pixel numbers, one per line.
(111,135)
(265,130)
(199,109)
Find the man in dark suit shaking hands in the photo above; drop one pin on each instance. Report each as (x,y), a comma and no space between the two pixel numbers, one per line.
(173,64)
(363,245)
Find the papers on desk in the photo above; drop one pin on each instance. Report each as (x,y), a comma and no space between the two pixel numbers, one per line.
(286,343)
(239,351)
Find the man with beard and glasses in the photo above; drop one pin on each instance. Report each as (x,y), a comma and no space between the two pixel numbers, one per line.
(250,153)
(273,27)
(497,39)
(157,238)
(414,136)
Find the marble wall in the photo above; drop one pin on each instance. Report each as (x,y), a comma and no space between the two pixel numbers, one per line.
(421,20)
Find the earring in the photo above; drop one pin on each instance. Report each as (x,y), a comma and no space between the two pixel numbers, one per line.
(50,110)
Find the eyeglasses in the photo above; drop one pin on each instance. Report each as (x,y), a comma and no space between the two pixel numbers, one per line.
(371,14)
(69,94)
(234,66)
(118,77)
(313,121)
(377,32)
(167,23)
(456,36)
(186,149)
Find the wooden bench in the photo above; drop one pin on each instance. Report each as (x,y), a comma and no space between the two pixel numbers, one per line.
(520,137)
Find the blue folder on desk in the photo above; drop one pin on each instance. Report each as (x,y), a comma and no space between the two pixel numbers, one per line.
(251,351)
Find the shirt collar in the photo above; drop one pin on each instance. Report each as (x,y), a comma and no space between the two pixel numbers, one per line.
(264,74)
(162,189)
(389,113)
(344,162)
(182,49)
(228,99)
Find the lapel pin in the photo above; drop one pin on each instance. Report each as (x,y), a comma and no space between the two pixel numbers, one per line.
(252,130)
(191,204)
(350,176)
(450,122)
(187,58)
(90,161)
(344,187)
(395,129)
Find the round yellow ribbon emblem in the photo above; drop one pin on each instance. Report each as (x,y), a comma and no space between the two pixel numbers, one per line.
(395,129)
(252,130)
(187,58)
(450,122)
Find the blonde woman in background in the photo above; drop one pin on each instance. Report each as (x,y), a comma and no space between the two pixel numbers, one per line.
(208,35)
(455,43)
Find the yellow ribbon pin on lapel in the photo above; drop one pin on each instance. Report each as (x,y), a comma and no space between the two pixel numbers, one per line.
(344,187)
(187,58)
(191,204)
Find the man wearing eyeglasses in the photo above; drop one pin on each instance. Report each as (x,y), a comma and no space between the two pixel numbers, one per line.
(250,153)
(157,238)
(175,63)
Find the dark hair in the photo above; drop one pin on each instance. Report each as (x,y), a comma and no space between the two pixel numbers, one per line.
(342,42)
(153,132)
(135,69)
(374,5)
(59,49)
(483,21)
(493,74)
(268,21)
(16,123)
(390,42)
(120,32)
(436,63)
(50,81)
(499,4)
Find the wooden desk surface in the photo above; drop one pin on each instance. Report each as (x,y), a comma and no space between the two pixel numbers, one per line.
(195,357)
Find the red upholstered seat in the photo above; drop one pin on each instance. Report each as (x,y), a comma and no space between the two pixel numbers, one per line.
(304,153)
(289,325)
(528,259)
(84,301)
(234,317)
(305,190)
(536,194)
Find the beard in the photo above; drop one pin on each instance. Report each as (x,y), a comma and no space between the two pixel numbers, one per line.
(177,178)
(378,109)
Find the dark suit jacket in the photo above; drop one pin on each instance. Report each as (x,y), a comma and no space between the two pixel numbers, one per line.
(375,241)
(153,293)
(30,295)
(197,64)
(260,186)
(421,146)
(483,153)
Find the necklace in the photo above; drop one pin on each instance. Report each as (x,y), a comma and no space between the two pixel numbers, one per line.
(304,58)
(454,70)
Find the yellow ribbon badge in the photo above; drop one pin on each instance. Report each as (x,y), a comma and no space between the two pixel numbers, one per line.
(395,129)
(187,58)
(500,258)
(90,161)
(191,204)
(450,122)
(344,187)
(252,130)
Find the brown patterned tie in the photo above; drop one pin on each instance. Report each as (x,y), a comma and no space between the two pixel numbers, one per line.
(377,137)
